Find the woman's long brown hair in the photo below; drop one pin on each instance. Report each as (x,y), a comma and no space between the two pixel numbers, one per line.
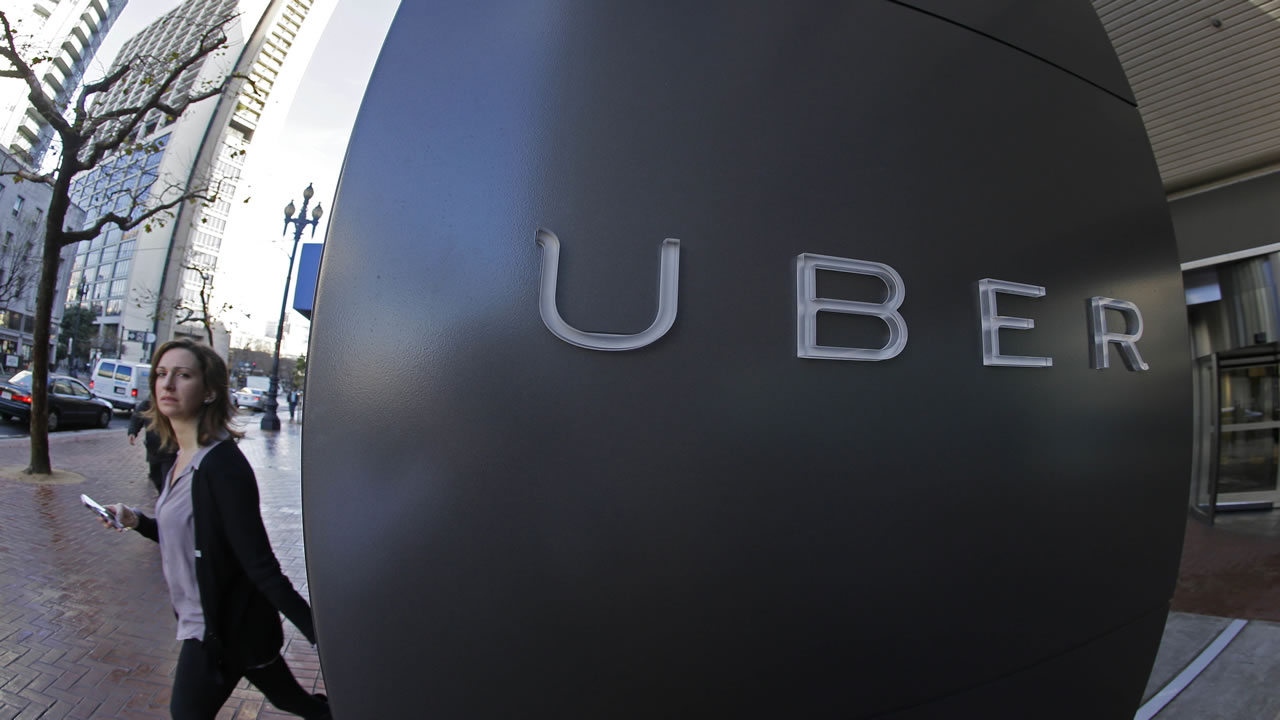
(215,416)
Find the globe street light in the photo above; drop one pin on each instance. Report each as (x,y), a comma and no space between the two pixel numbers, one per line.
(269,419)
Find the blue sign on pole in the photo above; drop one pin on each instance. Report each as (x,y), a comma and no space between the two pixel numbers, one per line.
(304,293)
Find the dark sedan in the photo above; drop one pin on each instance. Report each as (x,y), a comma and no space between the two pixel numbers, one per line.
(70,402)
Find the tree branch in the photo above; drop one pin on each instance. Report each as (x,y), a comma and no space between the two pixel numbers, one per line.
(22,174)
(128,223)
(213,39)
(21,70)
(102,85)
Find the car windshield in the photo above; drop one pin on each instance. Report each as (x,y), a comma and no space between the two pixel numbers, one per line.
(22,379)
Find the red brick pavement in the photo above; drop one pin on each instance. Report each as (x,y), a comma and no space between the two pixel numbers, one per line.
(1231,569)
(86,629)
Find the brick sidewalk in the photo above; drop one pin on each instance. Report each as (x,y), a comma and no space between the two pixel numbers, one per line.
(86,628)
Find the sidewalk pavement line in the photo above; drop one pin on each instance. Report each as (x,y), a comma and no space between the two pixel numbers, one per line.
(1188,674)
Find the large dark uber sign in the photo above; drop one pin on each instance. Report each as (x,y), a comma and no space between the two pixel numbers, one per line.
(724,359)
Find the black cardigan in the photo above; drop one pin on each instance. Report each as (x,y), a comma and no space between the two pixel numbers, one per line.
(150,440)
(241,585)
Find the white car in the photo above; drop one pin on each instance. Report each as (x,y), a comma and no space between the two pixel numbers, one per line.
(251,398)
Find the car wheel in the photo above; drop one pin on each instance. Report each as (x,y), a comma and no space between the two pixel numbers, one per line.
(53,420)
(104,418)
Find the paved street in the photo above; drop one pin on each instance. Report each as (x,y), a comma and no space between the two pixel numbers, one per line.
(86,629)
(14,428)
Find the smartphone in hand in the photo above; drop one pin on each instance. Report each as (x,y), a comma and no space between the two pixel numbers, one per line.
(101,512)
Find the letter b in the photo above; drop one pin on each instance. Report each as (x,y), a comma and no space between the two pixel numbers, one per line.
(808,305)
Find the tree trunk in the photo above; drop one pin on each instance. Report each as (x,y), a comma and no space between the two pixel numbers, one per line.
(54,240)
(40,357)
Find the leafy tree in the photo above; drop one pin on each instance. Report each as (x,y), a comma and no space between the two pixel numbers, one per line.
(300,372)
(88,134)
(79,330)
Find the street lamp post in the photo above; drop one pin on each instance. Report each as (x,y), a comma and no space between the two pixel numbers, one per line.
(71,356)
(270,421)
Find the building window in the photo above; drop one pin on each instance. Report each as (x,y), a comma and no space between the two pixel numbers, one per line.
(17,205)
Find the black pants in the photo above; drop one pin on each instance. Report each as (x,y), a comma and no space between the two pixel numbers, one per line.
(200,687)
(155,471)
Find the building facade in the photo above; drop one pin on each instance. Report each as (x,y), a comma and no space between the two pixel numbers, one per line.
(1204,76)
(153,282)
(69,32)
(22,216)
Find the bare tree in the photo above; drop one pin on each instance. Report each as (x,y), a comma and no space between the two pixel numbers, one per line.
(200,310)
(198,306)
(89,133)
(19,264)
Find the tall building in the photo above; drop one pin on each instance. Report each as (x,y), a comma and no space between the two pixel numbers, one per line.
(69,32)
(149,282)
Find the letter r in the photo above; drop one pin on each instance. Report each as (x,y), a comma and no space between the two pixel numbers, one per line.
(1102,337)
(808,305)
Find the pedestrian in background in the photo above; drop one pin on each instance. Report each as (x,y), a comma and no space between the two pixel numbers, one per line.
(158,458)
(224,580)
(293,403)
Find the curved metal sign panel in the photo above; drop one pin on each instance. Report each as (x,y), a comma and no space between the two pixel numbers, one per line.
(742,360)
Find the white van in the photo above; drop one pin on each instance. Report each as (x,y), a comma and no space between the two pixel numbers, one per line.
(123,383)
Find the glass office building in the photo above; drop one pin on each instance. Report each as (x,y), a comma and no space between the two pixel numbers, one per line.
(144,280)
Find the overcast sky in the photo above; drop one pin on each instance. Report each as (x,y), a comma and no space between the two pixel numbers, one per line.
(302,139)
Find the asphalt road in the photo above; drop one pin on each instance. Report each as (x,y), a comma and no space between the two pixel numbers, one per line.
(10,428)
(119,424)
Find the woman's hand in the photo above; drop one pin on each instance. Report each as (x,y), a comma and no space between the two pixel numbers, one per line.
(127,517)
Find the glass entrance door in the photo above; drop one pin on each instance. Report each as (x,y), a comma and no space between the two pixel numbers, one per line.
(1248,449)
(1204,449)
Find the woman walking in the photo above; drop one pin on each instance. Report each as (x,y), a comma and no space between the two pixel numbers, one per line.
(225,582)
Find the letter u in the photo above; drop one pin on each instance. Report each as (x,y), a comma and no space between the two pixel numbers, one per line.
(668,286)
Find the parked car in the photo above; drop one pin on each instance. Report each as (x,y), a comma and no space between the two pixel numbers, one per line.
(70,402)
(251,398)
(123,383)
